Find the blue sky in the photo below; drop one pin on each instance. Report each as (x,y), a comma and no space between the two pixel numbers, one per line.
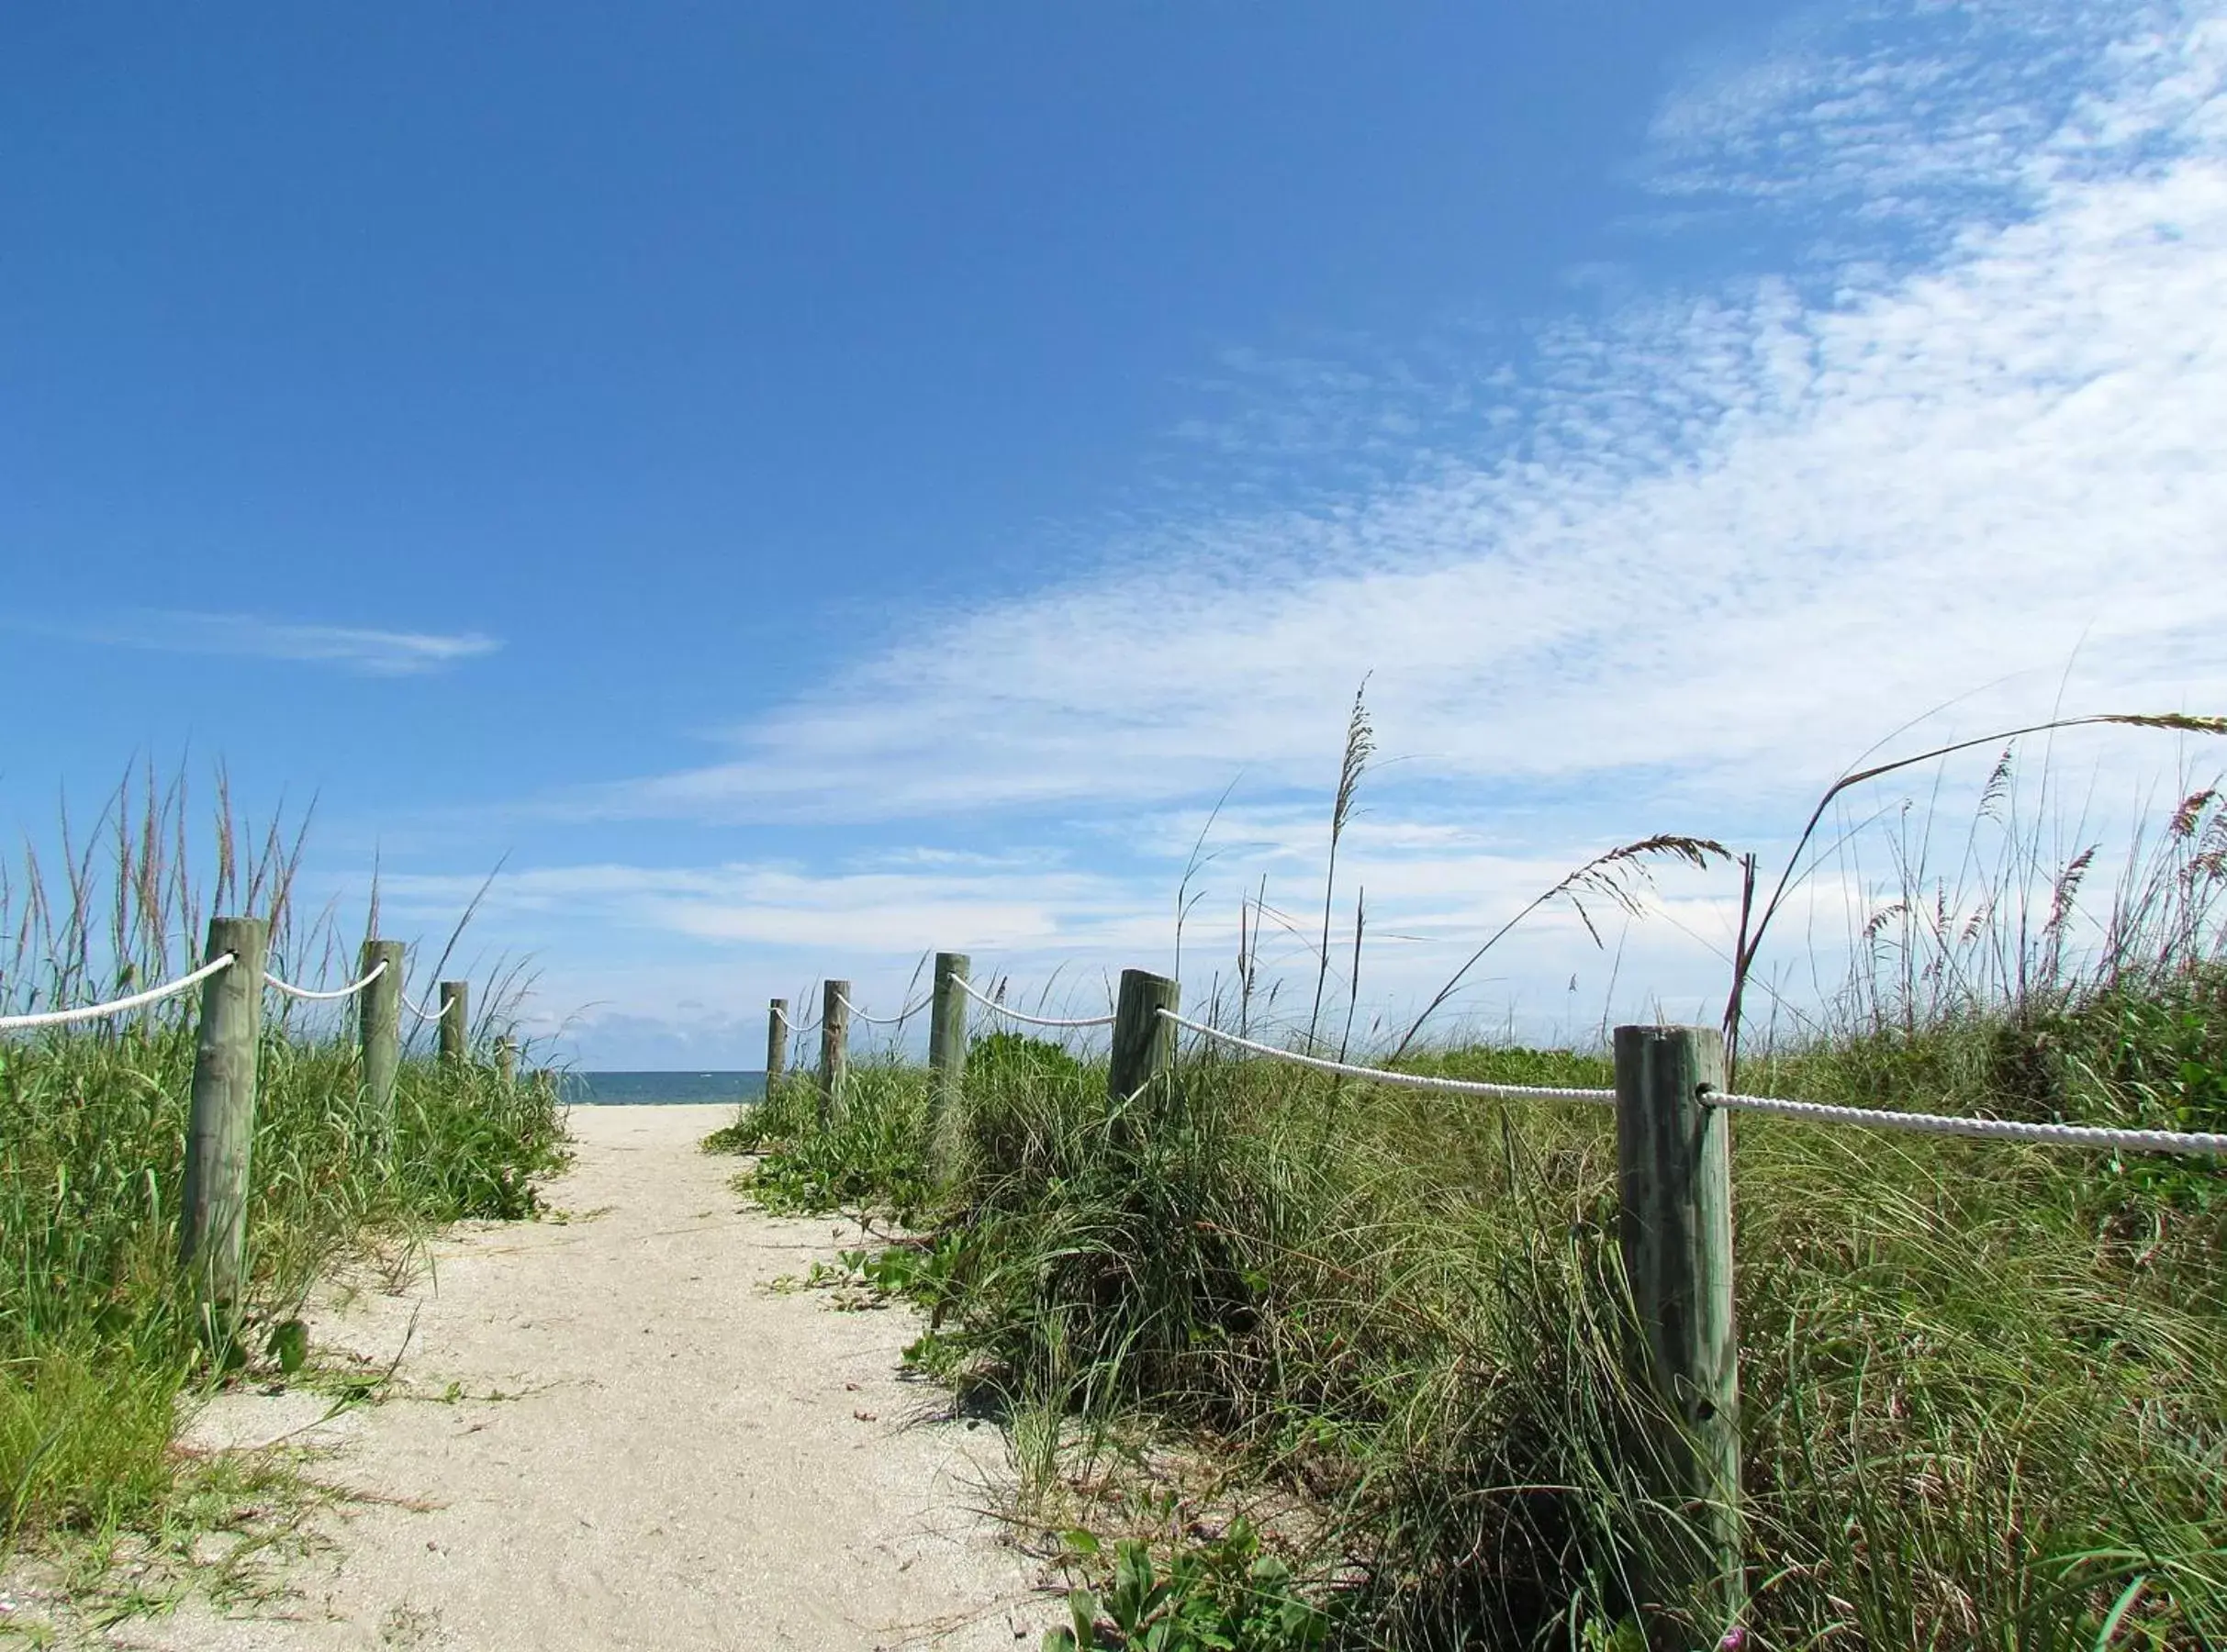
(810,486)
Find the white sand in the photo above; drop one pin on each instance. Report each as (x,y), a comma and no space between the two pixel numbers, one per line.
(688,1460)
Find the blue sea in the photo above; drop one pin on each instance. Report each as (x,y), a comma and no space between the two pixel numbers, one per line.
(658,1090)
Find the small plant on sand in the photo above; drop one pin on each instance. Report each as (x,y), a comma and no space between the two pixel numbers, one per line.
(1220,1595)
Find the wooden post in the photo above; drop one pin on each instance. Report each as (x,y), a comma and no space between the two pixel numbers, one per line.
(455,1019)
(1675,1226)
(379,1028)
(506,1062)
(835,1046)
(1144,1043)
(776,1042)
(946,1057)
(220,1128)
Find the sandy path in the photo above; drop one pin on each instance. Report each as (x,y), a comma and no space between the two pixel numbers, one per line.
(681,1457)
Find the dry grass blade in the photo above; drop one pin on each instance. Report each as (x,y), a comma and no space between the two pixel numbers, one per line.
(2180,722)
(1353,996)
(1361,745)
(2191,810)
(1610,874)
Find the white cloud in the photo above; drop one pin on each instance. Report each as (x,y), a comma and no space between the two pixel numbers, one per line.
(1738,536)
(774,906)
(1909,116)
(351,648)
(1669,571)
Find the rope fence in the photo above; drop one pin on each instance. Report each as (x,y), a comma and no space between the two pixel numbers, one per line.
(2110,1138)
(1991,1129)
(1010,1014)
(187,983)
(1986,1130)
(230,1044)
(897,1019)
(310,996)
(1463,1087)
(1674,1156)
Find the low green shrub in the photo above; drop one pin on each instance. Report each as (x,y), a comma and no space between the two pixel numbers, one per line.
(874,1149)
(1220,1595)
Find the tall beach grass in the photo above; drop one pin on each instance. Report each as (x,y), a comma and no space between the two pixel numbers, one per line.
(102,1347)
(1984,1385)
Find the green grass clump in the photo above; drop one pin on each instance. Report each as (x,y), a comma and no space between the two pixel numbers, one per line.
(102,1345)
(873,1150)
(1984,1386)
(97,1337)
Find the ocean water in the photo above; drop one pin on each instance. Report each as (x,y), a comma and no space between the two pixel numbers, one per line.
(654,1090)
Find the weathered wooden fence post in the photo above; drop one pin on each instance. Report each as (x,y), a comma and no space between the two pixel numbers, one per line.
(506,1062)
(220,1127)
(1144,1041)
(1675,1226)
(835,1046)
(379,1029)
(946,1057)
(776,1042)
(455,1018)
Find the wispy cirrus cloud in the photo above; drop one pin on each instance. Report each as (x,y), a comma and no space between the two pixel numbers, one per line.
(1715,544)
(1884,119)
(373,652)
(1668,566)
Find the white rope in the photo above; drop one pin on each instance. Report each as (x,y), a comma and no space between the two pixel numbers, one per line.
(1467,1087)
(1997,1130)
(1034,1020)
(420,1010)
(137,1000)
(883,1021)
(291,990)
(1993,1130)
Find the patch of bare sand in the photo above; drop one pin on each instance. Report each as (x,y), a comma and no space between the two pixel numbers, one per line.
(646,1447)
